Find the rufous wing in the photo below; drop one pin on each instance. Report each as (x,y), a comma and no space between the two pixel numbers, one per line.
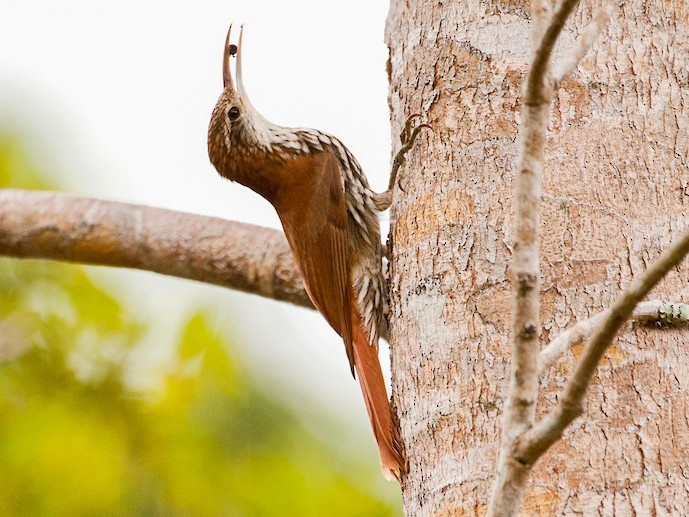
(314,218)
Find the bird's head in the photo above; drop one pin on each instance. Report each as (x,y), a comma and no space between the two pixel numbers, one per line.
(236,129)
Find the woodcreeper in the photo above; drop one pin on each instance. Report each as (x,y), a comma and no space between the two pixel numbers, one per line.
(329,215)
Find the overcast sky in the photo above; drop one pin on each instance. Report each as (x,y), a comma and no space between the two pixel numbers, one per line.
(116,99)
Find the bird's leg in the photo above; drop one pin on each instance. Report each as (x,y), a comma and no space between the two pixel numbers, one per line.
(407,137)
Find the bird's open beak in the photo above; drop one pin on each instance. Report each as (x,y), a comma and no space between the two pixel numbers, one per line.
(226,75)
(238,69)
(229,51)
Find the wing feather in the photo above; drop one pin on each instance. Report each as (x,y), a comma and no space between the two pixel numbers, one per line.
(315,222)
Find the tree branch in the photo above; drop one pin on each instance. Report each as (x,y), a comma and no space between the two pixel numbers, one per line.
(240,256)
(585,41)
(520,408)
(539,86)
(526,271)
(654,310)
(550,429)
(540,12)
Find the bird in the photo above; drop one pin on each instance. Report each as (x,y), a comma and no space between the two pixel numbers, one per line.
(329,215)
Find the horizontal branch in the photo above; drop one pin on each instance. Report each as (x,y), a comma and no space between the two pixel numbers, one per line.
(49,225)
(651,311)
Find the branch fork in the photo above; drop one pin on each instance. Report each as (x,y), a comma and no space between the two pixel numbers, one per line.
(524,439)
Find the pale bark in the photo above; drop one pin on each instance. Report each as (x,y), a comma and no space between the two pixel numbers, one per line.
(615,194)
(49,225)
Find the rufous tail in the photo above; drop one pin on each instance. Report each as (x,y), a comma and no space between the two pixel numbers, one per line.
(372,384)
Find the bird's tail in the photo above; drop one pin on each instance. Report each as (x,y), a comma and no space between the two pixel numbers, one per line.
(378,405)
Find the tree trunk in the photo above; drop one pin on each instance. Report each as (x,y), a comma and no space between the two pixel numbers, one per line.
(616,192)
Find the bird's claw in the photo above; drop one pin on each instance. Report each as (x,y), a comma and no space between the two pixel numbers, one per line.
(407,138)
(407,126)
(400,177)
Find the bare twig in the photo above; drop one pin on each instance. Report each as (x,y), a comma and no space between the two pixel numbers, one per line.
(240,256)
(383,200)
(539,86)
(568,339)
(526,274)
(526,267)
(540,12)
(654,310)
(399,159)
(550,429)
(585,41)
(526,324)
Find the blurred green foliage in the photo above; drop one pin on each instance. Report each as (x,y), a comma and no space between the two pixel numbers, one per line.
(76,440)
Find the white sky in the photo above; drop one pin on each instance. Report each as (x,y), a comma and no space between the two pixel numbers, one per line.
(116,98)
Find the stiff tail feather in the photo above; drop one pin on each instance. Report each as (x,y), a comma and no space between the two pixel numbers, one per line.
(372,385)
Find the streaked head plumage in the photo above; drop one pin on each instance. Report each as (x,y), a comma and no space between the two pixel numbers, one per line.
(234,119)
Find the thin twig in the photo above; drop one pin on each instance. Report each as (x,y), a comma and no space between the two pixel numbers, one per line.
(585,41)
(526,325)
(383,200)
(550,429)
(568,339)
(526,272)
(540,13)
(399,159)
(651,311)
(50,225)
(539,86)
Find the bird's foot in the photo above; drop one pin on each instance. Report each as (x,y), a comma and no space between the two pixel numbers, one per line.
(407,138)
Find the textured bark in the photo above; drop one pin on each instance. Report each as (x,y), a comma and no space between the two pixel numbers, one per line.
(236,255)
(616,192)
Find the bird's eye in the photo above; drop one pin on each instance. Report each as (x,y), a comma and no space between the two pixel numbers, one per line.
(233,113)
